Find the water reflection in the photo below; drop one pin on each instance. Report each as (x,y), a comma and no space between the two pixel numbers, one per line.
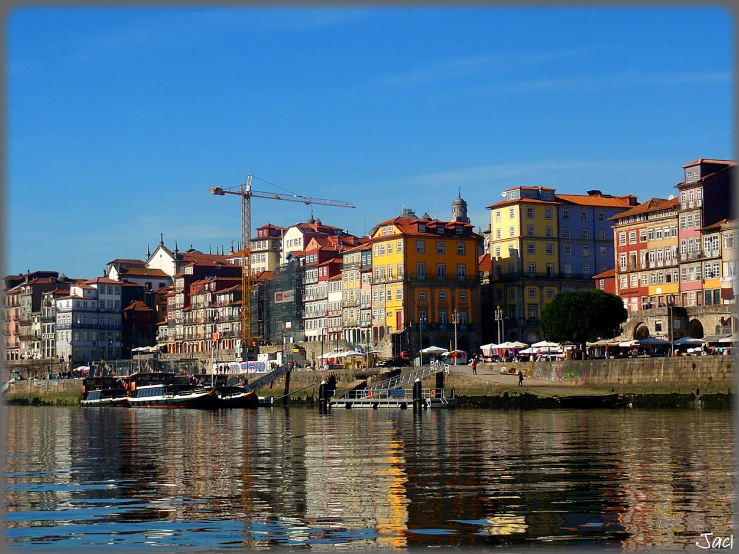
(191,480)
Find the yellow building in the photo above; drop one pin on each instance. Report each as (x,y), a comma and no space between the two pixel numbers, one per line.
(660,254)
(524,252)
(425,270)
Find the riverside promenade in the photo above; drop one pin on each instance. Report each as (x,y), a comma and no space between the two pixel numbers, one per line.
(676,382)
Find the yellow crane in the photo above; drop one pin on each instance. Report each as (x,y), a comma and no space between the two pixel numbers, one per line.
(245,191)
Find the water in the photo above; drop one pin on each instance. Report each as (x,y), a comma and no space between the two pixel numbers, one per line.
(163,480)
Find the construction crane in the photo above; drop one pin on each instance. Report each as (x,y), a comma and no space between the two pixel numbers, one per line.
(245,191)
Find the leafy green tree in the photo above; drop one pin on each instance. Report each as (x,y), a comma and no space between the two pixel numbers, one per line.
(582,316)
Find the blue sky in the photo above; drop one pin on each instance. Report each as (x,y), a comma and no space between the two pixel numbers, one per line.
(118,121)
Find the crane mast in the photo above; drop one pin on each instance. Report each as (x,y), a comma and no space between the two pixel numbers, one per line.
(245,191)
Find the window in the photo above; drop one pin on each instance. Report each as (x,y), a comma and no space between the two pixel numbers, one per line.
(460,249)
(440,271)
(549,231)
(440,229)
(463,296)
(529,213)
(586,271)
(382,249)
(567,249)
(622,238)
(532,293)
(550,249)
(601,216)
(550,293)
(461,272)
(632,237)
(442,296)
(420,247)
(443,317)
(566,232)
(421,227)
(512,231)
(389,295)
(568,270)
(584,234)
(531,248)
(643,235)
(548,213)
(583,215)
(497,216)
(511,269)
(399,248)
(566,215)
(532,269)
(497,233)
(603,252)
(420,270)
(586,251)
(389,247)
(512,293)
(550,271)
(601,234)
(530,230)
(421,295)
(511,213)
(440,247)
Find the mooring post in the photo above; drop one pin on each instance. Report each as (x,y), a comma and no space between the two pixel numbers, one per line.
(287,388)
(417,399)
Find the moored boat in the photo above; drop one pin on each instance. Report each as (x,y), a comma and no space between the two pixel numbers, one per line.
(168,390)
(236,397)
(104,391)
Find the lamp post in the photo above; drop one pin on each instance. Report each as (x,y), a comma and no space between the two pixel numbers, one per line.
(455,320)
(421,321)
(499,320)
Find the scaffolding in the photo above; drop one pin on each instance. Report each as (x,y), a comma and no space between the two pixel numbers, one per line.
(284,303)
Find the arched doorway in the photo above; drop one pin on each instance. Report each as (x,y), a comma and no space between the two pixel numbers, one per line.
(445,341)
(694,329)
(463,343)
(641,331)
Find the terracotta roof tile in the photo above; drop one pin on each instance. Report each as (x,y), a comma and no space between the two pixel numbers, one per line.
(606,274)
(710,161)
(653,204)
(587,200)
(505,203)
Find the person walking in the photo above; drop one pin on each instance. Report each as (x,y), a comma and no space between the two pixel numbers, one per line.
(474,366)
(520,378)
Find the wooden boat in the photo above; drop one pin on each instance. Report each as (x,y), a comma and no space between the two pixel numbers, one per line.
(104,391)
(168,390)
(236,397)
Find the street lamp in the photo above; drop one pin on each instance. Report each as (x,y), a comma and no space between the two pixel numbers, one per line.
(421,321)
(499,320)
(455,320)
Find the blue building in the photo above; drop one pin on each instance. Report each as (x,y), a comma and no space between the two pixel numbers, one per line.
(586,234)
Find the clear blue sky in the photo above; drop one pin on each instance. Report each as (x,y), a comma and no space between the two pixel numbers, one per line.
(120,120)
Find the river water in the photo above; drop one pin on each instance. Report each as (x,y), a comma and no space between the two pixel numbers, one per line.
(142,479)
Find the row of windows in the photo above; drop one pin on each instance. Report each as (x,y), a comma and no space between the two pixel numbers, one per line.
(443,317)
(648,234)
(566,214)
(440,247)
(530,292)
(441,271)
(423,295)
(380,249)
(690,221)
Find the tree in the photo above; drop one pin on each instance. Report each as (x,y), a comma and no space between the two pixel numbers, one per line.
(582,316)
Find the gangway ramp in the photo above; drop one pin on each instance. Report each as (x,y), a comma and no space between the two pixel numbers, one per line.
(267,379)
(408,378)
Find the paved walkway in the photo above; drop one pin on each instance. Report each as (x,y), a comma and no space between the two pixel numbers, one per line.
(540,387)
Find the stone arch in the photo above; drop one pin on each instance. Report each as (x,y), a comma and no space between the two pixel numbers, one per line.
(444,341)
(641,331)
(463,343)
(694,329)
(533,337)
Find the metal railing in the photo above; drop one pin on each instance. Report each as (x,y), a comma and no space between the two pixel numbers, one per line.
(409,377)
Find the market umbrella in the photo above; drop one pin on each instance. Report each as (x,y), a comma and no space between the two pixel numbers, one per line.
(688,340)
(517,345)
(652,341)
(545,344)
(434,350)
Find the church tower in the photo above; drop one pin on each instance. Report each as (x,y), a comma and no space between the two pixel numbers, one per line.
(459,210)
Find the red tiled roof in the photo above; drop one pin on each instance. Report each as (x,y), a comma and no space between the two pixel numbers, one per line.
(717,225)
(709,161)
(504,203)
(137,306)
(104,280)
(409,227)
(594,200)
(650,205)
(606,274)
(485,263)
